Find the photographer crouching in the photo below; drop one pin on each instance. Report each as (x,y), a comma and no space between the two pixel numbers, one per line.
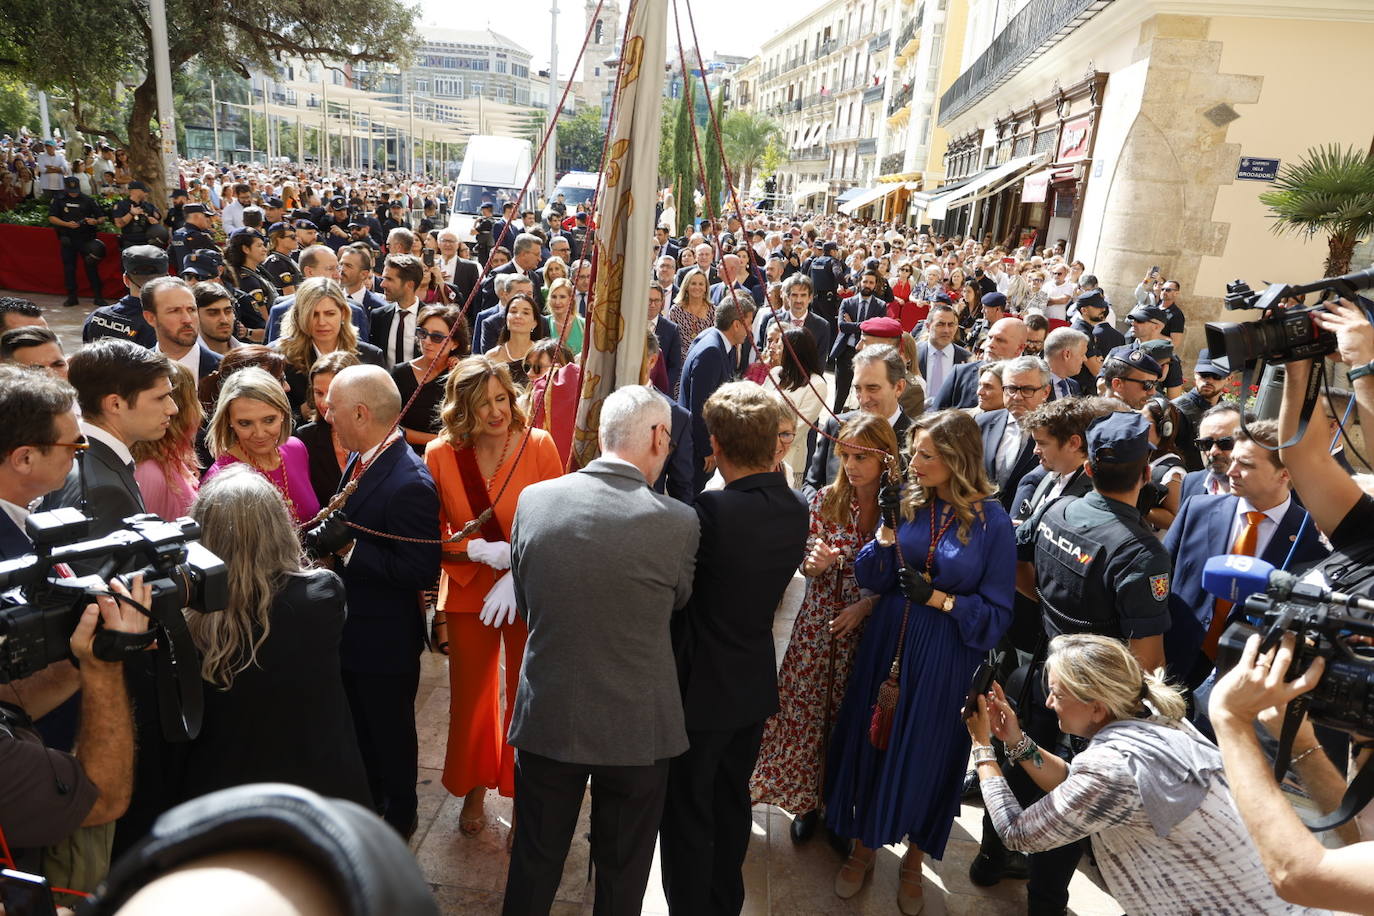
(1302,870)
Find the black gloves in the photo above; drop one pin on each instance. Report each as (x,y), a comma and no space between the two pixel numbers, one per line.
(915,586)
(890,499)
(328,536)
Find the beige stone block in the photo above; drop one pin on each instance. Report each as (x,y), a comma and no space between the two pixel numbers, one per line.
(1169,26)
(1165,87)
(1181,54)
(1148,153)
(1208,89)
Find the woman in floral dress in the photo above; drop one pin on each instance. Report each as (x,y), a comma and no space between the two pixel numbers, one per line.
(844,516)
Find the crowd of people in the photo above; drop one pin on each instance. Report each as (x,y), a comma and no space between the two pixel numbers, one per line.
(982,478)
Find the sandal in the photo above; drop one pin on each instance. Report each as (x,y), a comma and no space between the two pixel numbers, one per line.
(848,887)
(910,904)
(469,825)
(439,641)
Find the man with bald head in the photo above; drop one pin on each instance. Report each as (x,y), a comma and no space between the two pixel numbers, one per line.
(316,261)
(1006,339)
(385,631)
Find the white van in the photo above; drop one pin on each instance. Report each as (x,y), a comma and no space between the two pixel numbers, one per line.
(494,170)
(576,188)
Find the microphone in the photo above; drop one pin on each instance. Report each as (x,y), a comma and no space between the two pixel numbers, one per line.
(1235,577)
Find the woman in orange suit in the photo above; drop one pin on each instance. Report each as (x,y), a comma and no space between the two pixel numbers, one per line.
(477,462)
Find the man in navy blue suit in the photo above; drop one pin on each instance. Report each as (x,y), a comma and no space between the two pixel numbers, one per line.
(676,479)
(709,364)
(384,577)
(941,326)
(797,294)
(1065,350)
(853,311)
(1259,517)
(1006,339)
(1008,449)
(1216,437)
(668,335)
(169,307)
(317,261)
(38,409)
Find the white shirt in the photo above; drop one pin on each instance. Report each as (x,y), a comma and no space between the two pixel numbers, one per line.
(1272,517)
(1008,449)
(51,181)
(231,217)
(108,439)
(17,513)
(405,317)
(447,267)
(1054,290)
(191,360)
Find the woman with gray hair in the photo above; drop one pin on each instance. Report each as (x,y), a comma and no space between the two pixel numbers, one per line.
(1149,790)
(275,709)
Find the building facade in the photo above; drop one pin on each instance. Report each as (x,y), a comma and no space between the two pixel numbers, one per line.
(469,63)
(598,63)
(1140,133)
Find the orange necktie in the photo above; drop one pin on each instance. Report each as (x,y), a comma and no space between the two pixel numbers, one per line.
(1246,543)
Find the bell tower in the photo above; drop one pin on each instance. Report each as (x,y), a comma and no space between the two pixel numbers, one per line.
(597,77)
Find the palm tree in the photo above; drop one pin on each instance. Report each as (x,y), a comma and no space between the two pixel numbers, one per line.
(747,136)
(1329,192)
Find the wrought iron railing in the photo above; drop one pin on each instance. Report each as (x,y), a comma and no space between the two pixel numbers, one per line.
(890,164)
(879,41)
(900,100)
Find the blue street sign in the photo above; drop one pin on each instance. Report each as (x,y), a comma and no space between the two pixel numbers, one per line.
(1253,169)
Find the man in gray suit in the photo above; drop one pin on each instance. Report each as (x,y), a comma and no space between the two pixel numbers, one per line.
(600,563)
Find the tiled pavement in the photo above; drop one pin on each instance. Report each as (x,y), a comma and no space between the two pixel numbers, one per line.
(469,874)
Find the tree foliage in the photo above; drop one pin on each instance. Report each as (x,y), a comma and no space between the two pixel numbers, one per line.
(711,163)
(91,64)
(580,139)
(667,127)
(684,163)
(747,137)
(1328,192)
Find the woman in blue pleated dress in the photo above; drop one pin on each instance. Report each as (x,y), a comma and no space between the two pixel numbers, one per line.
(946,594)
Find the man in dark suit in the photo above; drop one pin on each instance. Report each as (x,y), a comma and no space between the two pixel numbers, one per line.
(734,276)
(125,395)
(1259,517)
(1216,437)
(1065,349)
(523,262)
(38,409)
(1006,339)
(598,696)
(676,479)
(942,326)
(319,261)
(384,577)
(796,292)
(853,311)
(1008,449)
(1059,429)
(394,324)
(460,271)
(505,229)
(879,380)
(723,641)
(709,364)
(664,244)
(669,338)
(169,307)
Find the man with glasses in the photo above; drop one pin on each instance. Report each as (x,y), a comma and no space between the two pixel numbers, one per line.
(1008,449)
(1216,437)
(1131,375)
(40,414)
(1168,302)
(1093,319)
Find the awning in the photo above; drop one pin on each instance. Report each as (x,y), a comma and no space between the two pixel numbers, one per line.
(969,192)
(867,197)
(820,134)
(852,193)
(809,136)
(807,188)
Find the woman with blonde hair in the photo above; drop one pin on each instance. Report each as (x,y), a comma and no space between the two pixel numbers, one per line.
(168,469)
(318,322)
(1149,790)
(945,593)
(275,709)
(692,310)
(565,325)
(555,268)
(820,654)
(479,462)
(252,425)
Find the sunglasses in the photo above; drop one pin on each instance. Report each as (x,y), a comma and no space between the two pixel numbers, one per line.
(1148,385)
(1213,376)
(432,336)
(80,445)
(1225,443)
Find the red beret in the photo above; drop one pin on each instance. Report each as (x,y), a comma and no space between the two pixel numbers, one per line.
(881,327)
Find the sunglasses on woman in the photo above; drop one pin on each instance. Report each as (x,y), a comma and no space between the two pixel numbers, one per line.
(437,337)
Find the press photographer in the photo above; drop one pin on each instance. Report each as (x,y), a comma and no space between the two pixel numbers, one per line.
(1302,870)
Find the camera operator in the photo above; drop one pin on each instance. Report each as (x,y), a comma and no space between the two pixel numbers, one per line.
(46,795)
(37,444)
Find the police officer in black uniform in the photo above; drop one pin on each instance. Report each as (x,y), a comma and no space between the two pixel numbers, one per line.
(1091,319)
(279,268)
(193,236)
(124,320)
(273,210)
(334,226)
(176,209)
(203,264)
(307,234)
(825,272)
(1100,570)
(75,217)
(138,219)
(395,218)
(482,231)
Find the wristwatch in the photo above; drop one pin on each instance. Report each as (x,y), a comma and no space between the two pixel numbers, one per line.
(948,604)
(1361,371)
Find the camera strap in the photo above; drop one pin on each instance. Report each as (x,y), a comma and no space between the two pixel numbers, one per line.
(1315,380)
(1357,795)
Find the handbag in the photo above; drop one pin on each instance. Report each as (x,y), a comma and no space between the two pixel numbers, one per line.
(885,706)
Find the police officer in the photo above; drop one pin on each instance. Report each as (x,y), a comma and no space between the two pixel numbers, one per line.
(307,233)
(994,310)
(193,236)
(124,320)
(1099,570)
(138,219)
(1091,319)
(203,264)
(273,210)
(75,217)
(825,272)
(176,209)
(482,231)
(334,226)
(395,218)
(279,268)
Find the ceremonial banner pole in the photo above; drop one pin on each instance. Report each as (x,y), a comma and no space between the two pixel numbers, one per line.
(624,222)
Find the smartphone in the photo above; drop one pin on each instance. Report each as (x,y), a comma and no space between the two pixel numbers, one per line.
(982,683)
(1154,271)
(429,257)
(24,894)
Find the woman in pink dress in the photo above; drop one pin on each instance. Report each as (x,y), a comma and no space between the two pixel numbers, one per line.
(252,424)
(167,470)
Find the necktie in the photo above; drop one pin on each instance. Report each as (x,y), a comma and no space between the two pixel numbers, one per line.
(936,361)
(400,351)
(1247,542)
(1063,387)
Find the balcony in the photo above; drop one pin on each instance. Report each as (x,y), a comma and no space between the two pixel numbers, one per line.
(879,41)
(908,33)
(1039,26)
(868,146)
(845,133)
(811,153)
(874,93)
(901,99)
(891,164)
(826,47)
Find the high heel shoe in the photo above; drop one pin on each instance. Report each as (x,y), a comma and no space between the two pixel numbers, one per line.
(848,887)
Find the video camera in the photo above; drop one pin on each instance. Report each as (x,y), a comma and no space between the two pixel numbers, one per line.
(1324,623)
(1282,333)
(42,601)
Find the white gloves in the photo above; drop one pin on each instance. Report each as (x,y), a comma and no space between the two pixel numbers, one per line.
(495,554)
(499,607)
